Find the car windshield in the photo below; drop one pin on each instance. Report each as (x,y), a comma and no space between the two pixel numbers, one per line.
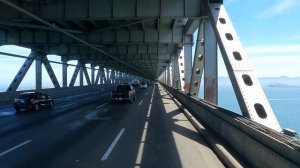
(121,88)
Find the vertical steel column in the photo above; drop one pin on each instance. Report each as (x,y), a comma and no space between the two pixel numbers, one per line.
(113,76)
(121,77)
(102,76)
(22,72)
(168,75)
(187,62)
(65,72)
(92,74)
(117,78)
(171,74)
(81,75)
(173,81)
(75,74)
(50,72)
(38,72)
(210,64)
(198,65)
(251,98)
(107,76)
(176,73)
(164,76)
(86,74)
(98,77)
(181,71)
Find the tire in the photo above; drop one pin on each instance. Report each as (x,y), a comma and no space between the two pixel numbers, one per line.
(51,104)
(17,110)
(36,107)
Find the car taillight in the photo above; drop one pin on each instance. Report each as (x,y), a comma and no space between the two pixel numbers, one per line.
(129,94)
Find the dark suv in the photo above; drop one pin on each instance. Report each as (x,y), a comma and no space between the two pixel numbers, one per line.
(123,93)
(32,101)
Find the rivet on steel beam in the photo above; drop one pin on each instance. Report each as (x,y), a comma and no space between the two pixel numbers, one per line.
(200,57)
(182,71)
(198,71)
(196,83)
(202,42)
(183,79)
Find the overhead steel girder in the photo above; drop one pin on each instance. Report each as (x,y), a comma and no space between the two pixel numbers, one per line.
(31,37)
(34,26)
(106,9)
(22,72)
(39,19)
(250,96)
(120,51)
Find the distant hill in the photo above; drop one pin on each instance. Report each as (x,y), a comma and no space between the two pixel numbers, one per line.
(282,81)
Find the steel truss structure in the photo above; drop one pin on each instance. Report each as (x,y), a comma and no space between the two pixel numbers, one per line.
(136,40)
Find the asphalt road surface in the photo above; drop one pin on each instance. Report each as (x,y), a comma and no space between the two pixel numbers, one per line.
(87,131)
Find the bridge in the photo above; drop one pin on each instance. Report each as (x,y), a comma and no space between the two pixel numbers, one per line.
(168,125)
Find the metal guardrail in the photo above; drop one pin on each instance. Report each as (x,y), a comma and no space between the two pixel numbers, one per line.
(257,145)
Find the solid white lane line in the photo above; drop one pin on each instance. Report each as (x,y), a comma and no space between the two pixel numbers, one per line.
(11,149)
(141,102)
(101,105)
(111,147)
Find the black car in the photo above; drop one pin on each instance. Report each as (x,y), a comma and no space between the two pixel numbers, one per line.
(32,101)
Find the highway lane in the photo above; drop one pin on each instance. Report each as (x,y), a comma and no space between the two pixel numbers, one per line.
(146,133)
(9,119)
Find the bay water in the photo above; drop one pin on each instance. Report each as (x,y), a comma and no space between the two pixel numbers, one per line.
(285,102)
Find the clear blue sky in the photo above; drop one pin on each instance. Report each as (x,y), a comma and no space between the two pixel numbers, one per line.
(269,31)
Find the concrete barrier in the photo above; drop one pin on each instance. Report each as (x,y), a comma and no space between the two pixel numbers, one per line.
(256,144)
